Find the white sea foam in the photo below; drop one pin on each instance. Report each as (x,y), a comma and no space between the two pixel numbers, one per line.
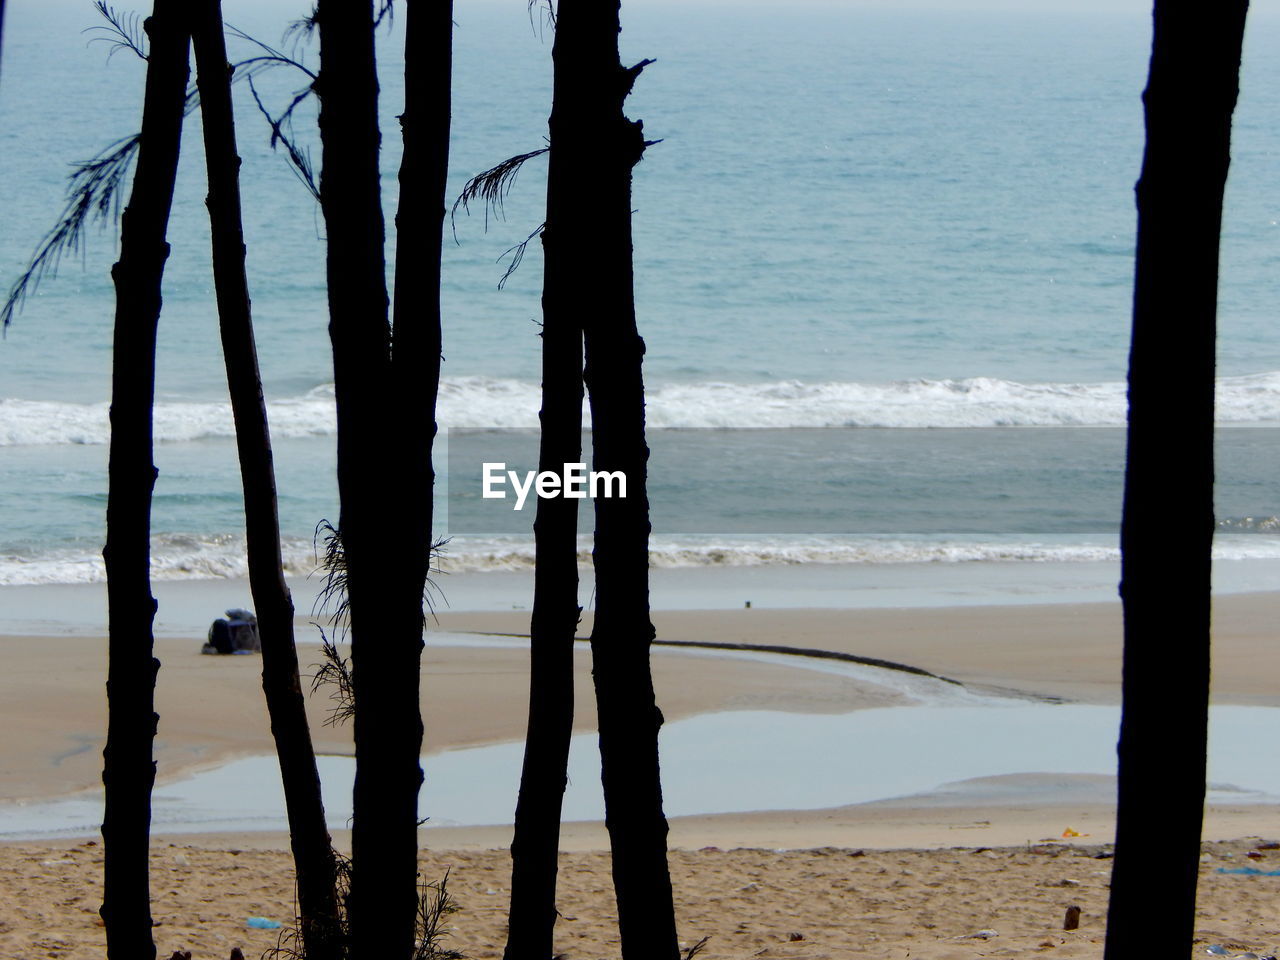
(475,553)
(29,422)
(190,557)
(173,557)
(480,402)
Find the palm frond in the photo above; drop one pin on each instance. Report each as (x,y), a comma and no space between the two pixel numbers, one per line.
(93,195)
(268,57)
(282,133)
(516,254)
(301,30)
(334,671)
(491,188)
(435,905)
(430,589)
(123,31)
(332,601)
(548,11)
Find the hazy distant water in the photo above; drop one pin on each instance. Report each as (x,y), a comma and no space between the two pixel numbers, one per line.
(854,220)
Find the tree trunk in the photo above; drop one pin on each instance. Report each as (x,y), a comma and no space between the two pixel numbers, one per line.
(1167,529)
(385,622)
(415,370)
(313,855)
(536,842)
(598,146)
(129,770)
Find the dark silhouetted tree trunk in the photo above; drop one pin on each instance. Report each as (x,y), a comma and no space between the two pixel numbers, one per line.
(313,854)
(535,845)
(416,334)
(597,147)
(385,620)
(129,770)
(415,370)
(1167,530)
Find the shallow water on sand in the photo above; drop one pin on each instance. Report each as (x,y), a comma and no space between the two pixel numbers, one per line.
(730,762)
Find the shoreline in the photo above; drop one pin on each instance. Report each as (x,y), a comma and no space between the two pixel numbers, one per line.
(974,867)
(475,694)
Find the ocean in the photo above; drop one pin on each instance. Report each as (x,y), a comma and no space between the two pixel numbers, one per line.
(883,264)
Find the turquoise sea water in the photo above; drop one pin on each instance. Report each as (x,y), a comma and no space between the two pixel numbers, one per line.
(883,258)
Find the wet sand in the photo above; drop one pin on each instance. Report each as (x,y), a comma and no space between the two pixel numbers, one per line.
(934,869)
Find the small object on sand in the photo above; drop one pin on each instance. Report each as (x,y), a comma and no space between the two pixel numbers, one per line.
(237,954)
(1218,950)
(1254,855)
(793,937)
(747,605)
(238,633)
(1072,920)
(980,935)
(262,923)
(181,955)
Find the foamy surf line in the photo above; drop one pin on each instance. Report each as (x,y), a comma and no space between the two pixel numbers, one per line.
(177,557)
(484,403)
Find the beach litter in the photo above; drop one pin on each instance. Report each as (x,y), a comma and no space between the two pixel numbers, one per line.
(262,923)
(1249,871)
(237,633)
(1072,920)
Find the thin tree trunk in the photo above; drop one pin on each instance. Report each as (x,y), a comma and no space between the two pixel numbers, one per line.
(415,370)
(129,769)
(536,842)
(598,147)
(385,621)
(314,860)
(1167,529)
(416,332)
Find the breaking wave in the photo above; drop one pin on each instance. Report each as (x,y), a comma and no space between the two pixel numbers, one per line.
(191,557)
(481,402)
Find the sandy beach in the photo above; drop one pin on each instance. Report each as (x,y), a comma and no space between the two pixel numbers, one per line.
(952,904)
(922,875)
